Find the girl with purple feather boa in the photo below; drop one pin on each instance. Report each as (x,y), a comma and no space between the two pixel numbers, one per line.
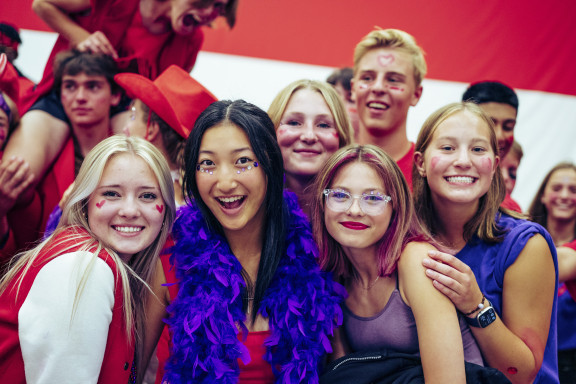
(252,301)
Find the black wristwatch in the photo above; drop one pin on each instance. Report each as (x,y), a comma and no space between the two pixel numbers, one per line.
(484,318)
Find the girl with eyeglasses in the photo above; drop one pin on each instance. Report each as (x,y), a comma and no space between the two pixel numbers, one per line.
(369,237)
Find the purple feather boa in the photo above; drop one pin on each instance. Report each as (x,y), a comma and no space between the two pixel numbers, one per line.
(302,305)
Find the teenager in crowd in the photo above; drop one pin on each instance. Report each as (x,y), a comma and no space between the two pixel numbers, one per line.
(554,207)
(503,271)
(249,293)
(73,308)
(311,124)
(388,70)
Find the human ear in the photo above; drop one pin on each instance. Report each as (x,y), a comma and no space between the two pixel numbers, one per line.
(416,96)
(115,99)
(419,163)
(152,131)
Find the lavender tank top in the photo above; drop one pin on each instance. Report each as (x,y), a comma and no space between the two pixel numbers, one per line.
(394,328)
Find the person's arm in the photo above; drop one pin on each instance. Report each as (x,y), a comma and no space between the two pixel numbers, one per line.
(566,264)
(155,314)
(43,133)
(515,343)
(439,335)
(15,177)
(61,343)
(56,13)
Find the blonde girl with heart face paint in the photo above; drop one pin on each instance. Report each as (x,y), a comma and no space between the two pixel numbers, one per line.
(311,124)
(502,270)
(73,308)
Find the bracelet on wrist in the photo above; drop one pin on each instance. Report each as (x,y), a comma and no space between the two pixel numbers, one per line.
(478,307)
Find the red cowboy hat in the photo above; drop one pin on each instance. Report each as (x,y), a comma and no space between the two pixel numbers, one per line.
(174,96)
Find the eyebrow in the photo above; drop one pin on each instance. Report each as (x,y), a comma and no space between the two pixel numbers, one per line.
(455,139)
(120,186)
(210,152)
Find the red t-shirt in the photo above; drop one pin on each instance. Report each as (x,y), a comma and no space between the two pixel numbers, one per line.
(571,285)
(406,163)
(510,204)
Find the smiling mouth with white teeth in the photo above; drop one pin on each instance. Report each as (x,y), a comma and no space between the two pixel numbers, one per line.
(461,179)
(376,105)
(127,229)
(231,202)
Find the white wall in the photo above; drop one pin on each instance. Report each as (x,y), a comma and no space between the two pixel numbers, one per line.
(546,126)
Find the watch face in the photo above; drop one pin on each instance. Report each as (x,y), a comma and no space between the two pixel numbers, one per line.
(487,317)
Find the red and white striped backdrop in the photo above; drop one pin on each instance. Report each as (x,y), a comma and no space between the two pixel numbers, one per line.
(530,45)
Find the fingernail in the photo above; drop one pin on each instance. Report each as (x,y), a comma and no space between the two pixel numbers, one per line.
(426,262)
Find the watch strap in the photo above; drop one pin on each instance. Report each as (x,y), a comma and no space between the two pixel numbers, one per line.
(484,318)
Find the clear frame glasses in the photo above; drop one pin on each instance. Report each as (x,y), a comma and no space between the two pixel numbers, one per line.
(372,203)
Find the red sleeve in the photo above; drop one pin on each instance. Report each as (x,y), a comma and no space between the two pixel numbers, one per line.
(510,204)
(571,285)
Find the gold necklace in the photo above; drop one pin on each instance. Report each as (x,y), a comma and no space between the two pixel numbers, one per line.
(371,285)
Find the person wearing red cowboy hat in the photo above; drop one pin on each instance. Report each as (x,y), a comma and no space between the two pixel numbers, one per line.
(164,111)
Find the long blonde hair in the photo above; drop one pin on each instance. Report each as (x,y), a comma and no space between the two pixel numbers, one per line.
(137,273)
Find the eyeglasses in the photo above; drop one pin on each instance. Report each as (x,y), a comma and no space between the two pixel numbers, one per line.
(372,203)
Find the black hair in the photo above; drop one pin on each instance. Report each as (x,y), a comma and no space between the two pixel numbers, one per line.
(173,142)
(491,92)
(10,31)
(74,62)
(260,131)
(341,76)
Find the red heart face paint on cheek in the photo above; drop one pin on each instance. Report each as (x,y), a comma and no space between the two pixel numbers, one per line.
(100,204)
(160,208)
(385,60)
